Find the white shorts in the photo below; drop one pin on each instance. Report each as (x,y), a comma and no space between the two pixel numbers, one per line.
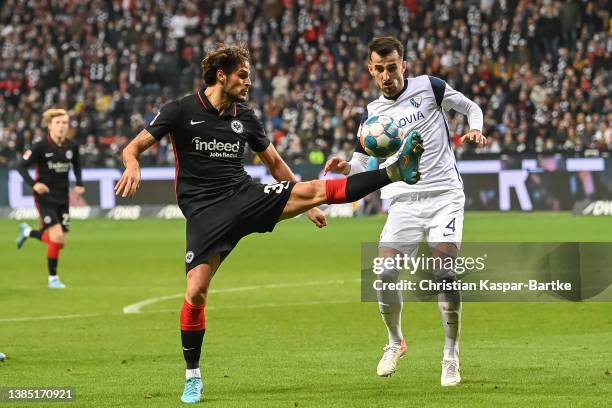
(436,216)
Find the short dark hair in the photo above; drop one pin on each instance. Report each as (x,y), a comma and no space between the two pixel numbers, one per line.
(224,58)
(384,46)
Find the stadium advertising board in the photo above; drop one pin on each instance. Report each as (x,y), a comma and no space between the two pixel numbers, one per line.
(549,183)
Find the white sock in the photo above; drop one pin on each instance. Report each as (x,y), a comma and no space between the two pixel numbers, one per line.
(191,373)
(27,231)
(53,278)
(392,317)
(449,305)
(390,306)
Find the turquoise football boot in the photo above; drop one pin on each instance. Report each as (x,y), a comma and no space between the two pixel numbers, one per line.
(410,157)
(24,233)
(193,390)
(55,283)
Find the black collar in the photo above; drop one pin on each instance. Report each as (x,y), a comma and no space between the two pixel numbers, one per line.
(232,110)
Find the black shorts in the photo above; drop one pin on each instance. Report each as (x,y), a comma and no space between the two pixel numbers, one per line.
(217,229)
(51,214)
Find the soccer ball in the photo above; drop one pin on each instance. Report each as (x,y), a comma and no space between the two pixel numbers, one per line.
(380,136)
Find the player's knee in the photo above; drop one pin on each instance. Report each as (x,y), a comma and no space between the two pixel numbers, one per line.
(389,275)
(57,237)
(313,190)
(197,294)
(197,286)
(447,277)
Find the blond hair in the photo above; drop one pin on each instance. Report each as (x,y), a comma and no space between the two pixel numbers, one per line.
(53,113)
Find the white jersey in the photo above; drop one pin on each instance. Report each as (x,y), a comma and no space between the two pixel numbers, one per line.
(421,107)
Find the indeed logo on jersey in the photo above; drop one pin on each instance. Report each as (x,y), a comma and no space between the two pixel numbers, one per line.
(59,167)
(216,148)
(410,118)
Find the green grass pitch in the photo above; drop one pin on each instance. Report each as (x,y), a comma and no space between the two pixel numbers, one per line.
(306,342)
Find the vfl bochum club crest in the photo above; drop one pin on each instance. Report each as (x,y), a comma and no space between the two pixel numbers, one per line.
(69,154)
(189,257)
(236,126)
(416,101)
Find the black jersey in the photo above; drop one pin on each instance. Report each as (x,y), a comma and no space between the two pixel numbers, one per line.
(208,148)
(52,164)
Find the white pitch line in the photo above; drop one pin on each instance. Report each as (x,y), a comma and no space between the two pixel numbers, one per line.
(136,307)
(30,319)
(261,306)
(256,306)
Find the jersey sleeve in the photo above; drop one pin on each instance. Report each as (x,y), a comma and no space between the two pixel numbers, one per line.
(358,146)
(76,165)
(30,156)
(165,121)
(359,161)
(449,98)
(257,138)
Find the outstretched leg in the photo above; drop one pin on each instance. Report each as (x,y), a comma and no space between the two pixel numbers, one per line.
(307,195)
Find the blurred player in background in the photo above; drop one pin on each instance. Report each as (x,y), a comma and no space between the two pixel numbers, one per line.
(432,208)
(209,131)
(52,156)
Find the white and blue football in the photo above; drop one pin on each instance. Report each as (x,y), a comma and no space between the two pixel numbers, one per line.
(380,136)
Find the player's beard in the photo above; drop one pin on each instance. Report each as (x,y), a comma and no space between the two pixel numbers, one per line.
(233,96)
(236,96)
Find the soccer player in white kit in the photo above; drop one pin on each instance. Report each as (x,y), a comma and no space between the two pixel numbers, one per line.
(432,208)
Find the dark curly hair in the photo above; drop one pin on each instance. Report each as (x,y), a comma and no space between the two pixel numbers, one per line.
(225,58)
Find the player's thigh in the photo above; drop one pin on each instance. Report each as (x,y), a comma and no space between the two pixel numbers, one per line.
(49,215)
(403,231)
(446,225)
(63,214)
(304,196)
(57,234)
(58,231)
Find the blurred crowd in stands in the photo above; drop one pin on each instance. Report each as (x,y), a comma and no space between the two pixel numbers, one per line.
(539,69)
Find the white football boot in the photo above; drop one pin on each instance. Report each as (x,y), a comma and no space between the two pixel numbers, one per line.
(390,359)
(450,373)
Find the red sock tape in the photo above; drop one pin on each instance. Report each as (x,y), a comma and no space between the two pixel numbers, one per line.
(335,191)
(192,317)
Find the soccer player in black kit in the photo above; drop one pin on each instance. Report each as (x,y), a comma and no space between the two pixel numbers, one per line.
(209,131)
(53,157)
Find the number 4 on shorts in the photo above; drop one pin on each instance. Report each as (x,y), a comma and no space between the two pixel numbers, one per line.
(451,225)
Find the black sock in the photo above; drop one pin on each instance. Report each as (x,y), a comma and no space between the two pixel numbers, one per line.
(52,264)
(36,234)
(192,347)
(361,184)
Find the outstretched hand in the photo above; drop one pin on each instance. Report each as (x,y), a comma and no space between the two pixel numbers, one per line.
(129,182)
(317,216)
(475,136)
(336,165)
